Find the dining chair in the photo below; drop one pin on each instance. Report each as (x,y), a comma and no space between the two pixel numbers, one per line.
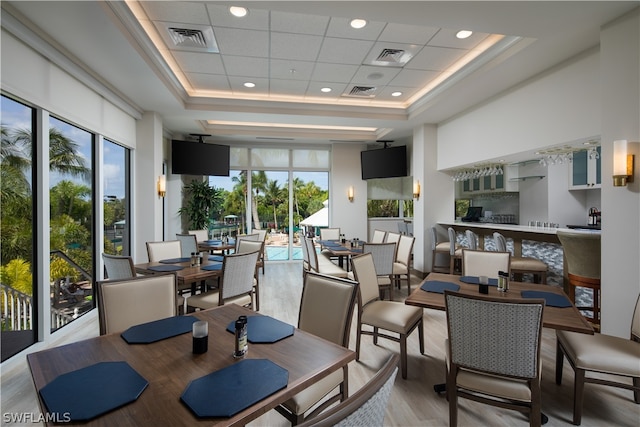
(201,235)
(127,302)
(392,316)
(240,237)
(321,264)
(521,265)
(118,267)
(157,251)
(402,264)
(605,356)
(484,263)
(306,264)
(378,236)
(485,362)
(472,240)
(245,246)
(455,250)
(438,248)
(236,283)
(331,320)
(188,243)
(367,406)
(384,255)
(328,234)
(262,236)
(402,227)
(392,237)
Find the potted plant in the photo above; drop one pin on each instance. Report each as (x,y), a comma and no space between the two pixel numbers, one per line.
(200,203)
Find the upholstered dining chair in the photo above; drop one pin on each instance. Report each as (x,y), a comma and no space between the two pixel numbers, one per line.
(118,267)
(484,263)
(236,283)
(157,251)
(201,235)
(330,233)
(378,236)
(391,316)
(245,246)
(262,236)
(402,264)
(366,407)
(384,256)
(392,237)
(188,243)
(520,265)
(485,362)
(438,248)
(455,250)
(253,237)
(120,301)
(322,264)
(330,320)
(604,355)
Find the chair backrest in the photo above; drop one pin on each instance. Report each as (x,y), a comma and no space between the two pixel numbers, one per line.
(254,237)
(392,237)
(201,235)
(384,254)
(405,246)
(238,271)
(484,263)
(306,264)
(262,234)
(472,240)
(189,244)
(635,322)
(313,255)
(329,233)
(482,330)
(378,236)
(364,272)
(127,302)
(410,228)
(402,227)
(452,240)
(366,407)
(434,238)
(118,267)
(326,307)
(500,242)
(245,246)
(157,251)
(582,252)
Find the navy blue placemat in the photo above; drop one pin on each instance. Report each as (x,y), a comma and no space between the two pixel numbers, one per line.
(213,242)
(175,260)
(357,250)
(551,299)
(439,286)
(228,391)
(330,243)
(158,330)
(218,258)
(264,329)
(168,267)
(474,280)
(212,267)
(92,391)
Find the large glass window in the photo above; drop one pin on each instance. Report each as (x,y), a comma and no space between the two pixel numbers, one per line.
(71,223)
(16,228)
(117,234)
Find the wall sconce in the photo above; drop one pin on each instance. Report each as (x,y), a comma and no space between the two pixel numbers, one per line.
(623,167)
(416,190)
(162,186)
(350,193)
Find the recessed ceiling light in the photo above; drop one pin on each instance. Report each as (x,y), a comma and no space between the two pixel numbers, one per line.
(325,89)
(249,84)
(358,23)
(396,93)
(463,34)
(238,11)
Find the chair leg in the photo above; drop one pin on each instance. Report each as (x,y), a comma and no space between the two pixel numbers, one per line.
(403,355)
(578,395)
(636,391)
(559,363)
(451,264)
(452,397)
(358,337)
(421,335)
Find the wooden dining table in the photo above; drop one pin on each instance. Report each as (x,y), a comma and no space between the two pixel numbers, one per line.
(340,250)
(169,366)
(567,318)
(188,275)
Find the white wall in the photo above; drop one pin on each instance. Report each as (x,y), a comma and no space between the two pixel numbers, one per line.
(351,217)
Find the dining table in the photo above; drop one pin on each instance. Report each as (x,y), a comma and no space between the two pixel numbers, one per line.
(217,245)
(187,275)
(176,387)
(342,250)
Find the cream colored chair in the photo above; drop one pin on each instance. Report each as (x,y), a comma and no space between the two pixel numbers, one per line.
(455,250)
(384,255)
(201,235)
(484,361)
(378,236)
(392,237)
(484,263)
(120,301)
(322,264)
(604,355)
(236,283)
(157,251)
(188,243)
(245,246)
(118,267)
(329,233)
(330,320)
(262,236)
(521,265)
(402,264)
(392,316)
(438,248)
(367,406)
(253,237)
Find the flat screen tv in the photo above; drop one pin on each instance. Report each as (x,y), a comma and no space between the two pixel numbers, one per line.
(199,158)
(387,162)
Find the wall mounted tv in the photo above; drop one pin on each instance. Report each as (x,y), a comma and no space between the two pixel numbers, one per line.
(199,158)
(389,162)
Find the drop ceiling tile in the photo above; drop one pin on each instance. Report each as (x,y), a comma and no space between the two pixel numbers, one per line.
(344,51)
(340,28)
(288,87)
(410,50)
(447,38)
(199,62)
(261,88)
(295,70)
(201,81)
(334,72)
(413,78)
(377,76)
(435,58)
(300,47)
(256,19)
(238,42)
(246,66)
(411,34)
(299,23)
(185,12)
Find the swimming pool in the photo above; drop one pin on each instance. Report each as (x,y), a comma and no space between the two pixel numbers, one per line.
(281,253)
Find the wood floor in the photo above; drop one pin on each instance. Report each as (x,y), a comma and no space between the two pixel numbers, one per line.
(413,401)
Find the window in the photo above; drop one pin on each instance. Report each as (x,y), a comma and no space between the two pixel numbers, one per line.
(117,230)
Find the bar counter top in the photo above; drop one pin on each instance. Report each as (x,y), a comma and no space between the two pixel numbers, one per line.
(511,227)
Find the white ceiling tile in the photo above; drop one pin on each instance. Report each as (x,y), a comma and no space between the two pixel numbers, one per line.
(447,38)
(344,51)
(435,58)
(282,69)
(199,62)
(208,81)
(407,34)
(288,87)
(287,22)
(246,66)
(340,73)
(340,28)
(413,78)
(242,42)
(261,88)
(186,12)
(256,19)
(377,76)
(299,47)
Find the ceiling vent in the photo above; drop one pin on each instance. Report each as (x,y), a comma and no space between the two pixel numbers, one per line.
(187,37)
(361,92)
(396,55)
(196,38)
(391,56)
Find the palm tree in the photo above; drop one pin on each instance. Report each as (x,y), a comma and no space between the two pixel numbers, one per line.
(275,196)
(258,184)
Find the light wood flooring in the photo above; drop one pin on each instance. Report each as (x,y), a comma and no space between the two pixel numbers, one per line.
(413,401)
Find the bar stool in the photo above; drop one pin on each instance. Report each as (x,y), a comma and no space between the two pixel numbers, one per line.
(521,265)
(582,256)
(455,251)
(438,248)
(472,240)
